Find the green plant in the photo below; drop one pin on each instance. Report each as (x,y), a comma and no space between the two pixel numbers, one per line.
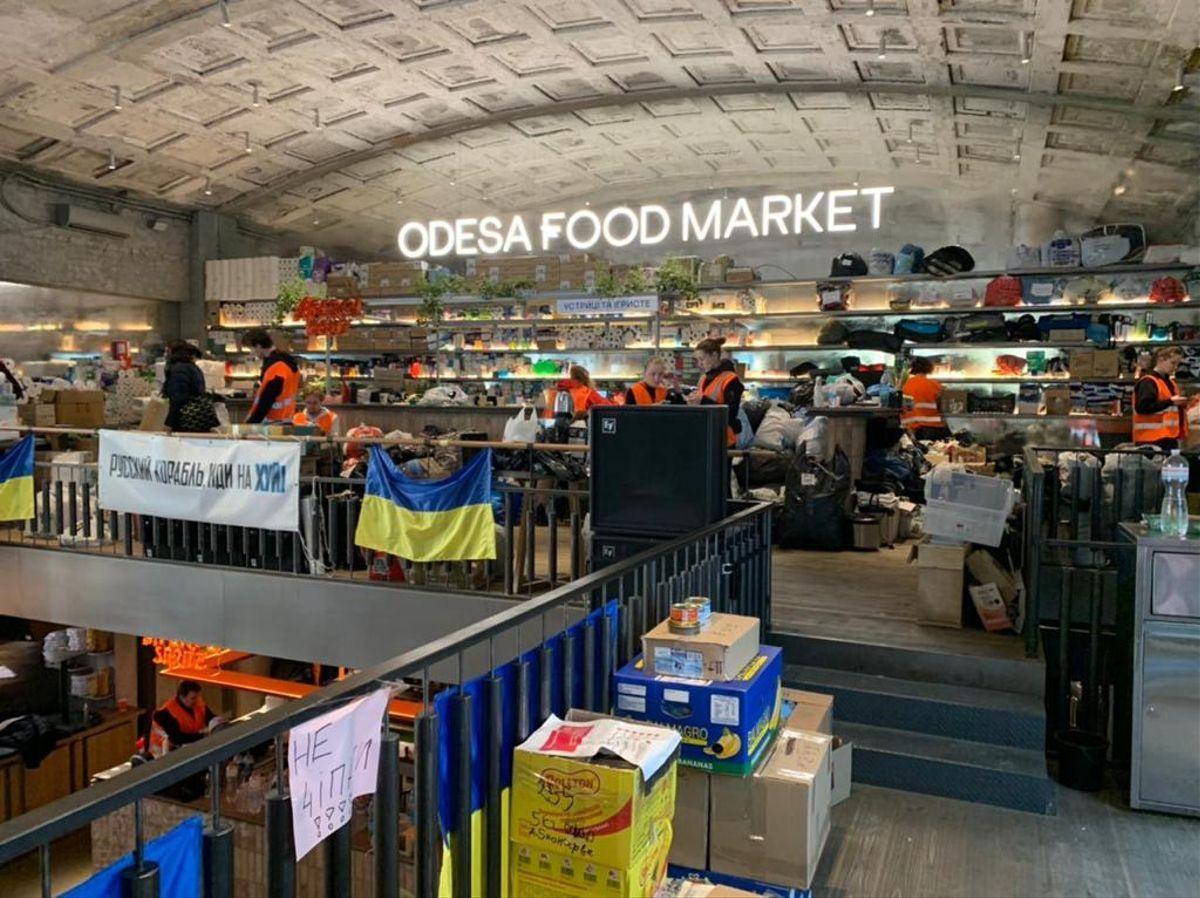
(512,288)
(632,283)
(288,296)
(673,279)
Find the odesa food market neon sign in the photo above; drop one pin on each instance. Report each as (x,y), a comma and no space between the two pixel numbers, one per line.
(773,215)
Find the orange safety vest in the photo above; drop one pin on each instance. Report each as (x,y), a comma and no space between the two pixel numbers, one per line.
(1169,424)
(190,722)
(579,395)
(922,411)
(643,396)
(283,409)
(715,390)
(324,421)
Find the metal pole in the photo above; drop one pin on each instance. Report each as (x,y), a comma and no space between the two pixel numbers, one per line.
(1091,697)
(606,656)
(387,817)
(1064,656)
(281,857)
(337,862)
(589,665)
(568,670)
(44,864)
(141,879)
(493,865)
(429,843)
(218,846)
(461,871)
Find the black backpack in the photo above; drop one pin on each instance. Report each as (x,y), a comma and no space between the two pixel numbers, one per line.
(814,502)
(847,265)
(880,340)
(833,333)
(1023,329)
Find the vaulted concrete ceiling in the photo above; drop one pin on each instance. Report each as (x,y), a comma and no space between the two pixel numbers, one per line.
(339,118)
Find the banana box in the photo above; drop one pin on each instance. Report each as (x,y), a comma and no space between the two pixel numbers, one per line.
(595,790)
(725,725)
(552,874)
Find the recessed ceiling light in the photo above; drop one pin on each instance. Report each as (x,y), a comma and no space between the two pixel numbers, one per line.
(1026,53)
(882,46)
(208,187)
(112,161)
(255,101)
(870,7)
(1119,190)
(117,98)
(1017,156)
(224,7)
(1013,190)
(248,148)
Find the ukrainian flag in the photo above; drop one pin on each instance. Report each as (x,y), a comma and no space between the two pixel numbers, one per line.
(16,482)
(428,520)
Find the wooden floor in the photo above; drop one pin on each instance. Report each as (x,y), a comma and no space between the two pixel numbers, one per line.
(867,597)
(888,843)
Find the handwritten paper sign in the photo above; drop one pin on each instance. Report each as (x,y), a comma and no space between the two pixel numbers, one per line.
(332,760)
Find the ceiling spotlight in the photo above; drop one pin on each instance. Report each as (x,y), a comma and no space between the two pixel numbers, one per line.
(1013,191)
(883,37)
(910,133)
(870,8)
(1119,190)
(399,200)
(112,161)
(1017,156)
(247,147)
(316,221)
(208,186)
(317,118)
(587,202)
(255,101)
(116,98)
(1179,85)
(224,7)
(1026,53)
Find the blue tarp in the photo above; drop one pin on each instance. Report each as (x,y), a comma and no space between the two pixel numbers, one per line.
(178,854)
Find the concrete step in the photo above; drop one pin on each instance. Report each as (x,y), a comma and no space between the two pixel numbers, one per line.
(936,709)
(1023,676)
(1006,777)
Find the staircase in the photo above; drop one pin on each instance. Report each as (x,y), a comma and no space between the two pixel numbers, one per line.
(955,726)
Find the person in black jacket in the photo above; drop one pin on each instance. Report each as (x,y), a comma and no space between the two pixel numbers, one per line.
(184,381)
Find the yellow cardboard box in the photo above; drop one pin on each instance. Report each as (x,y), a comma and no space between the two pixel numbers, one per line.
(556,875)
(594,807)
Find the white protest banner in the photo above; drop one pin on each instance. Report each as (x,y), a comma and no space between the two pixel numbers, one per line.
(608,305)
(332,760)
(249,484)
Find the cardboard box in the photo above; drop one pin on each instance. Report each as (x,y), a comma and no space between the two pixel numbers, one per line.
(841,764)
(1081,363)
(557,875)
(689,838)
(812,711)
(1057,400)
(772,826)
(719,652)
(968,455)
(38,414)
(939,583)
(725,725)
(984,567)
(993,613)
(79,408)
(599,808)
(1106,363)
(953,401)
(722,885)
(395,278)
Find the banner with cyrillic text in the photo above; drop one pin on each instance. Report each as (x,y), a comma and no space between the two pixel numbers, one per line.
(242,483)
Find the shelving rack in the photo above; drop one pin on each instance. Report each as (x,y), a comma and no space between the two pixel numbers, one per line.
(770,291)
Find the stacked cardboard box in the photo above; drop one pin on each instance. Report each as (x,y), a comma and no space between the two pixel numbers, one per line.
(579,271)
(752,797)
(939,582)
(542,271)
(592,801)
(394,278)
(79,408)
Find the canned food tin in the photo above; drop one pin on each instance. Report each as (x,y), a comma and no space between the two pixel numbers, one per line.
(685,618)
(703,607)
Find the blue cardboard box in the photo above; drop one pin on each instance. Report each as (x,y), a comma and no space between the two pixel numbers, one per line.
(738,882)
(726,725)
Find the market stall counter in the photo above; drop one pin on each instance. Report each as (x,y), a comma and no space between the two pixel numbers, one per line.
(488,419)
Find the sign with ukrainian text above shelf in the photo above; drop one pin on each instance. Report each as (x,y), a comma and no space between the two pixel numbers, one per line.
(586,229)
(245,484)
(609,305)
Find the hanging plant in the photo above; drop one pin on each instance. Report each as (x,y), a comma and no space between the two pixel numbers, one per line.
(288,296)
(633,282)
(327,317)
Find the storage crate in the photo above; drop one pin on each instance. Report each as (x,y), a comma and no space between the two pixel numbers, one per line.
(966,506)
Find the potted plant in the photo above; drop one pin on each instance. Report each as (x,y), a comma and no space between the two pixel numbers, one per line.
(288,296)
(674,282)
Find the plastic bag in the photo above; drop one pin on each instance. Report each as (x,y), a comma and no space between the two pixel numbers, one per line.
(522,427)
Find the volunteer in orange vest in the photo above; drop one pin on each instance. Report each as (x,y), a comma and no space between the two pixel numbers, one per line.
(315,414)
(921,416)
(1158,406)
(181,720)
(719,384)
(279,385)
(583,395)
(650,390)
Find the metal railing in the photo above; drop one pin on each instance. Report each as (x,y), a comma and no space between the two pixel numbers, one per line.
(729,561)
(1077,596)
(540,537)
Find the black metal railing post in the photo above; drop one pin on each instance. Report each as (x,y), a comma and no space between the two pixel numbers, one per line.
(281,856)
(141,879)
(493,823)
(387,817)
(462,867)
(337,862)
(218,845)
(429,842)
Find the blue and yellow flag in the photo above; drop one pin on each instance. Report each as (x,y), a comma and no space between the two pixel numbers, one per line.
(428,520)
(16,482)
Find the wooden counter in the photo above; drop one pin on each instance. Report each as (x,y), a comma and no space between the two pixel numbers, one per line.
(489,419)
(69,767)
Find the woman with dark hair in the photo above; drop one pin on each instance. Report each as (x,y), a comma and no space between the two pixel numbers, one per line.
(183,384)
(578,383)
(719,384)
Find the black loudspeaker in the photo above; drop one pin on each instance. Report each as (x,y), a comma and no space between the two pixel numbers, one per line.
(660,470)
(610,548)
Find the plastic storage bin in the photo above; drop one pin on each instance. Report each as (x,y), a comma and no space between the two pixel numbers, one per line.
(967,507)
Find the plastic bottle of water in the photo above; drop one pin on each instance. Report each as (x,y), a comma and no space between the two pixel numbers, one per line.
(1174,503)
